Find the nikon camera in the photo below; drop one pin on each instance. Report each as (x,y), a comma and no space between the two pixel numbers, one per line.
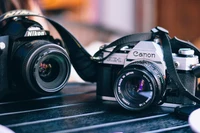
(136,75)
(32,62)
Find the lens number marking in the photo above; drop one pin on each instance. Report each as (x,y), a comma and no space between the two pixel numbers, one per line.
(125,101)
(119,89)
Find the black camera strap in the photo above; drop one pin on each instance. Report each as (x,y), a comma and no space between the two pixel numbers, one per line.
(129,40)
(167,50)
(80,58)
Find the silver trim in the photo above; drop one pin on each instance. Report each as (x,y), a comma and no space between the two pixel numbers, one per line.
(170,105)
(106,98)
(186,51)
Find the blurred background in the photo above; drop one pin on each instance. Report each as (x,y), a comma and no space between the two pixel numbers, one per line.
(98,20)
(95,22)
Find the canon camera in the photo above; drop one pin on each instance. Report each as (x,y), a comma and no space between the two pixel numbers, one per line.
(136,76)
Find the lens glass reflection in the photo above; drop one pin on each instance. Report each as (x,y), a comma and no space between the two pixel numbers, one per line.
(137,89)
(49,69)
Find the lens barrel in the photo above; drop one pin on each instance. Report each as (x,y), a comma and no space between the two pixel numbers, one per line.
(139,85)
(50,70)
(44,67)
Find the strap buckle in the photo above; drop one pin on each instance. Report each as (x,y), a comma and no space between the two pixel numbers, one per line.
(159,30)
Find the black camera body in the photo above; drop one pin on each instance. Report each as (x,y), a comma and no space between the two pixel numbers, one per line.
(136,76)
(32,62)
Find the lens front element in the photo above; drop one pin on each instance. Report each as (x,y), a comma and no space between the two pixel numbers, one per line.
(138,86)
(49,69)
(41,67)
(138,89)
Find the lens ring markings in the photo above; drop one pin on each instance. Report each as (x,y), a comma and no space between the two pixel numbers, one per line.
(145,81)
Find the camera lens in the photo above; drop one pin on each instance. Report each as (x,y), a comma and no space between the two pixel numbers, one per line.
(41,66)
(50,70)
(139,85)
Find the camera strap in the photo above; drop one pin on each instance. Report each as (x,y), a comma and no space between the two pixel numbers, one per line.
(80,58)
(129,40)
(167,51)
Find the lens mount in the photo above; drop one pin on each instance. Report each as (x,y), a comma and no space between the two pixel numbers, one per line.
(139,85)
